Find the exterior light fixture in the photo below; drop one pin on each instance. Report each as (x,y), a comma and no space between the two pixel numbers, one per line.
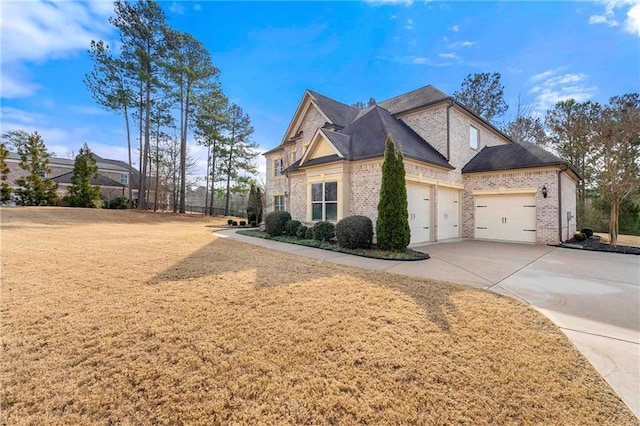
(544,191)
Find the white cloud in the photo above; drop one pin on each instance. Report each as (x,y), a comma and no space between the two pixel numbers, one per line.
(394,17)
(462,44)
(419,60)
(37,31)
(176,8)
(514,70)
(389,2)
(197,7)
(551,86)
(455,28)
(608,17)
(86,110)
(448,55)
(409,25)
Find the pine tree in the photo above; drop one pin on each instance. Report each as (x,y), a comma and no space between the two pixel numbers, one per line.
(254,205)
(5,189)
(35,189)
(392,226)
(81,192)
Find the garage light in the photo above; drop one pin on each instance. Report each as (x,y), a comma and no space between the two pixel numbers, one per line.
(544,191)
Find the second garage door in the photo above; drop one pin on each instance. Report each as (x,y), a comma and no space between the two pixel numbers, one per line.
(506,217)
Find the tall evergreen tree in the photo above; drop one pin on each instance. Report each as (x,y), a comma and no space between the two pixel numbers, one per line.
(81,192)
(35,188)
(254,204)
(483,94)
(5,189)
(392,225)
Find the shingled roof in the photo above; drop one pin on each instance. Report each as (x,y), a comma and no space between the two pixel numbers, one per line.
(366,138)
(414,99)
(101,180)
(339,113)
(513,156)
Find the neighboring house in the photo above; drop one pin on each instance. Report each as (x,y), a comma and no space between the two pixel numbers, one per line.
(113,175)
(465,178)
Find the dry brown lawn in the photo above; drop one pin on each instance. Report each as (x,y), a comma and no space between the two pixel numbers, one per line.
(623,240)
(134,318)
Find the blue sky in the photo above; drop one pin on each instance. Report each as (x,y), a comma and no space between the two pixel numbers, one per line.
(270,52)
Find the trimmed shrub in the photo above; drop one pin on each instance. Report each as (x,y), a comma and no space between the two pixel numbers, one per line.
(275,222)
(588,232)
(234,223)
(243,222)
(291,227)
(301,232)
(309,234)
(252,224)
(579,236)
(229,221)
(355,232)
(324,231)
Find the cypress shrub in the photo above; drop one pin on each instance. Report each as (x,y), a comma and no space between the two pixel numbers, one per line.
(324,231)
(355,232)
(291,227)
(309,234)
(275,222)
(392,226)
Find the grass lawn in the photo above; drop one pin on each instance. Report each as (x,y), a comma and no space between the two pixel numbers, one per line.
(140,318)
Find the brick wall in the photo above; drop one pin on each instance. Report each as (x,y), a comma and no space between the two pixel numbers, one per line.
(547,225)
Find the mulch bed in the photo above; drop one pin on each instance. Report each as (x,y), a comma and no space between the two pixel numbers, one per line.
(594,243)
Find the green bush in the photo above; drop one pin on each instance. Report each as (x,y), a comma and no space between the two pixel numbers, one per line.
(275,222)
(234,223)
(355,232)
(252,224)
(588,232)
(309,234)
(302,232)
(579,236)
(324,231)
(291,227)
(243,222)
(229,221)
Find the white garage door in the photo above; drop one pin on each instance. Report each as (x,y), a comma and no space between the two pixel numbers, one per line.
(448,213)
(506,217)
(419,203)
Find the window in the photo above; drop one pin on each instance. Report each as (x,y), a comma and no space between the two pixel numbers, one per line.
(473,137)
(124,178)
(324,201)
(278,202)
(278,167)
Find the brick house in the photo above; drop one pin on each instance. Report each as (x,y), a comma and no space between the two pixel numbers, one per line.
(465,178)
(113,175)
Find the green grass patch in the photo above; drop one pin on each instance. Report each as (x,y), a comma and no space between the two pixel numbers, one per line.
(373,252)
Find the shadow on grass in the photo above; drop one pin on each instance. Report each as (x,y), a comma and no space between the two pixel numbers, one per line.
(274,268)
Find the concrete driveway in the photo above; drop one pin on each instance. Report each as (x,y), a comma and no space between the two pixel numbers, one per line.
(593,297)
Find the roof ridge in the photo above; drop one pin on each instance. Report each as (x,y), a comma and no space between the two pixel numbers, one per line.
(413,91)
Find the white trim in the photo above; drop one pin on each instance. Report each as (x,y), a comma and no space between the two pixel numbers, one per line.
(504,191)
(306,101)
(313,143)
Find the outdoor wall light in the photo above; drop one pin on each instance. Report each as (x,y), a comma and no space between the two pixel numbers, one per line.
(544,191)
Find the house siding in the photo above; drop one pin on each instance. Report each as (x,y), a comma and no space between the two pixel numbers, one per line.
(568,199)
(547,221)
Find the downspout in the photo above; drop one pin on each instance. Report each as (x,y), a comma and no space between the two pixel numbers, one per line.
(560,204)
(448,128)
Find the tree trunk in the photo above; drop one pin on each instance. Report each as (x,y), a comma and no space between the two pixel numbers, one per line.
(155,194)
(206,181)
(613,222)
(126,119)
(226,207)
(140,132)
(213,175)
(183,151)
(145,154)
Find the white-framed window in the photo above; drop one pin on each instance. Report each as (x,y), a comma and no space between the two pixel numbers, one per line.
(124,178)
(278,202)
(278,167)
(324,201)
(134,194)
(473,137)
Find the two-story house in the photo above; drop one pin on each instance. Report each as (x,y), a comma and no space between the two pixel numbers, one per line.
(465,178)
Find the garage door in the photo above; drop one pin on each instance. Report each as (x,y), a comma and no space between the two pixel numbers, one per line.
(448,213)
(506,217)
(419,203)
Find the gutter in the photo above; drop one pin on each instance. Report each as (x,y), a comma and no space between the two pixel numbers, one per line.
(449,128)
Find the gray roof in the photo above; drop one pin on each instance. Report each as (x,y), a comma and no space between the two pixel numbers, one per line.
(414,99)
(101,180)
(339,113)
(512,156)
(102,163)
(366,138)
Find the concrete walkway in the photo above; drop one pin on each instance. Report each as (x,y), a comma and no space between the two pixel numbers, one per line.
(593,297)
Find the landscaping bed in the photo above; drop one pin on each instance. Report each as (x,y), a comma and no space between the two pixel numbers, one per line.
(373,252)
(595,243)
